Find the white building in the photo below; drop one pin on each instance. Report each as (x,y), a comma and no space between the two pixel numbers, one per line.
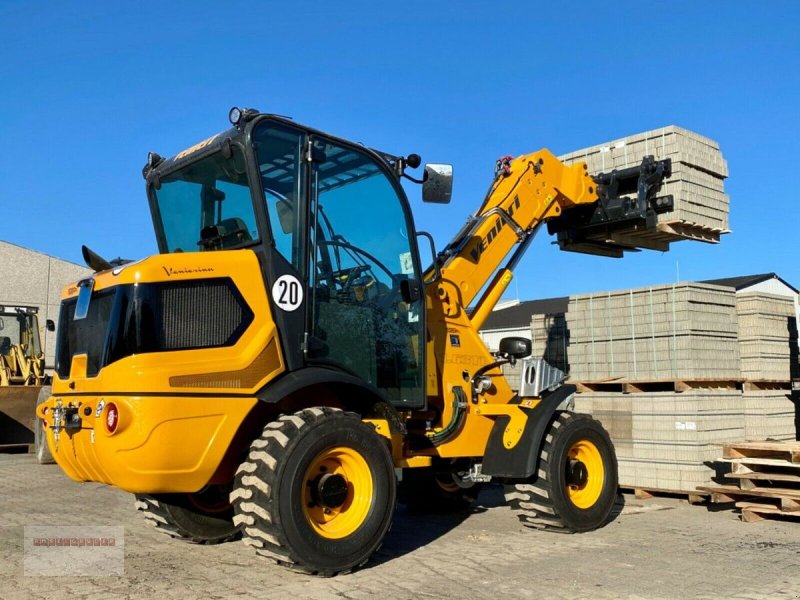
(31,278)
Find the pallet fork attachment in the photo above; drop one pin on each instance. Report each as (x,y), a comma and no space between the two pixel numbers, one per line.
(628,201)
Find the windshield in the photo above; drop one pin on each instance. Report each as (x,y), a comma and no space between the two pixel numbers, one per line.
(19,328)
(205,206)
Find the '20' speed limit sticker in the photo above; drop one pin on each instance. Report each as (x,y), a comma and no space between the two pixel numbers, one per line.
(287,292)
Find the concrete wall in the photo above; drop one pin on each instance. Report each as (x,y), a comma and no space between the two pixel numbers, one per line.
(31,278)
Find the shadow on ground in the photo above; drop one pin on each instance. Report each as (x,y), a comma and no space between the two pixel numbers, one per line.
(413,530)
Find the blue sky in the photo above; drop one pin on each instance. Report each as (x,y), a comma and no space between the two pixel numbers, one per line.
(88,88)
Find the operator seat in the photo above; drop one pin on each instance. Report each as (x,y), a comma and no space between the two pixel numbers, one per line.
(228,233)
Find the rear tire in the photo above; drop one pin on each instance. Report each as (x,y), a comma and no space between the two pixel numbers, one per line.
(205,517)
(576,486)
(43,454)
(317,492)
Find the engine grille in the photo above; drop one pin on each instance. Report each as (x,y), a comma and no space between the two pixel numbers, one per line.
(198,314)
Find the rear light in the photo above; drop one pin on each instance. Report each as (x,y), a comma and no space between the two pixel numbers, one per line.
(112,417)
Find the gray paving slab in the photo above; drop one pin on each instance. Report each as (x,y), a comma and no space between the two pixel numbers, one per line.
(661,548)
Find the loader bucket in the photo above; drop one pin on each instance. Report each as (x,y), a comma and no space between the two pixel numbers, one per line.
(17,414)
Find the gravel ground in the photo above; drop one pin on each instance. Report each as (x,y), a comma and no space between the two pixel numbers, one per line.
(657,548)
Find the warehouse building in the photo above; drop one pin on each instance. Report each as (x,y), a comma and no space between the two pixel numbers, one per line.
(31,278)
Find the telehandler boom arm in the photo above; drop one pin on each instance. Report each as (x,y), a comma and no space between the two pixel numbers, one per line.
(537,188)
(525,192)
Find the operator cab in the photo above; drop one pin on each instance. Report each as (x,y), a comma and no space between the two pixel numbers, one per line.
(333,230)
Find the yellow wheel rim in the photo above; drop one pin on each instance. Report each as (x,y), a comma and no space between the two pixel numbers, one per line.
(448,486)
(586,494)
(336,516)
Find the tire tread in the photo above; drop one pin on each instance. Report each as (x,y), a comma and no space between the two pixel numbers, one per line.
(258,474)
(157,515)
(533,501)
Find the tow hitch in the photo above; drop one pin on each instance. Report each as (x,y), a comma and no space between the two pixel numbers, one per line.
(66,418)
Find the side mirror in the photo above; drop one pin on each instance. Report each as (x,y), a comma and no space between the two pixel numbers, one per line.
(515,347)
(437,184)
(50,325)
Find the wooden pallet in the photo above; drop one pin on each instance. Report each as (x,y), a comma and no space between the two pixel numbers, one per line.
(681,230)
(767,472)
(625,386)
(753,512)
(748,476)
(732,493)
(757,385)
(776,453)
(693,497)
(756,504)
(17,448)
(662,235)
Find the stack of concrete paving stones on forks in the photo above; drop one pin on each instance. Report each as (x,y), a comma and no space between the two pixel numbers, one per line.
(701,205)
(686,331)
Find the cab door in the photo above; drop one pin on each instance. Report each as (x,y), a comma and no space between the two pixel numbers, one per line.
(362,264)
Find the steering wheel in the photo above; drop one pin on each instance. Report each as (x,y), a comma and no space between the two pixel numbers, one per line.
(354,272)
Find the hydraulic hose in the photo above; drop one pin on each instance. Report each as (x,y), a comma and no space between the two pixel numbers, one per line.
(459,412)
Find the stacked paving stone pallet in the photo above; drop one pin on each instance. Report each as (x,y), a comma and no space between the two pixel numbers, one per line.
(665,440)
(768,348)
(681,331)
(767,336)
(696,184)
(699,333)
(770,415)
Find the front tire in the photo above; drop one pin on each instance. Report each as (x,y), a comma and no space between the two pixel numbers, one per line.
(317,491)
(576,486)
(205,517)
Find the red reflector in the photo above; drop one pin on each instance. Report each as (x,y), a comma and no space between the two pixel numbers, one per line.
(112,417)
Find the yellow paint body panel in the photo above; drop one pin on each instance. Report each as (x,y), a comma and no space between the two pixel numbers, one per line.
(178,410)
(162,444)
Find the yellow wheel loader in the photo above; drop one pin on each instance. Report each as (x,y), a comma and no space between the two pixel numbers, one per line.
(287,356)
(21,355)
(22,375)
